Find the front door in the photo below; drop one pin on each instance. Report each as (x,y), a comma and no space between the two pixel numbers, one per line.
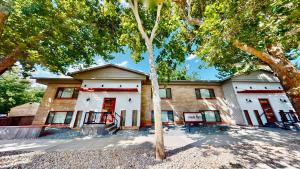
(265,105)
(108,106)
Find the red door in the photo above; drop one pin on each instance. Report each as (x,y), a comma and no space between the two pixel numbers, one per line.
(265,105)
(108,106)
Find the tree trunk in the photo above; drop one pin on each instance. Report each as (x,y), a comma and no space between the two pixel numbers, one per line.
(3,18)
(285,70)
(9,60)
(159,139)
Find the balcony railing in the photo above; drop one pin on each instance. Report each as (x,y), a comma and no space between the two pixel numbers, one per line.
(98,117)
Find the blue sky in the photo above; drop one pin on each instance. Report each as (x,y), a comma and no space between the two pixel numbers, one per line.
(124,60)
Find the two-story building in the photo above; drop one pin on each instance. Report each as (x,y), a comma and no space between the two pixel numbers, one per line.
(82,99)
(111,93)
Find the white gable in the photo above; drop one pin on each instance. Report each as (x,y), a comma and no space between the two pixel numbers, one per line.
(109,72)
(257,76)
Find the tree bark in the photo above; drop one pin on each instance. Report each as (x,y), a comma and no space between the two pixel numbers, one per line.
(159,139)
(3,18)
(285,70)
(9,60)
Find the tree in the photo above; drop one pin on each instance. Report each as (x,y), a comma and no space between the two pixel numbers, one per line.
(148,26)
(239,35)
(56,34)
(14,91)
(165,74)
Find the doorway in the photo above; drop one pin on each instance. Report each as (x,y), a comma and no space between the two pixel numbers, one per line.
(265,105)
(108,106)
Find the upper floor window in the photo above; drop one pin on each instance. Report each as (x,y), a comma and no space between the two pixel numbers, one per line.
(165,93)
(205,93)
(67,92)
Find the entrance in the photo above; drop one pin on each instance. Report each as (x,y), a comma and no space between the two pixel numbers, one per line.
(265,105)
(109,107)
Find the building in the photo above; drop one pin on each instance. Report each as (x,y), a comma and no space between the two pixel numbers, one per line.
(110,93)
(88,94)
(20,115)
(257,99)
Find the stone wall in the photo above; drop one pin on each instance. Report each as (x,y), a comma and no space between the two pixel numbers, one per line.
(184,100)
(16,132)
(50,103)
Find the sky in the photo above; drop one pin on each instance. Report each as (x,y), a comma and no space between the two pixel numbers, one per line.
(192,62)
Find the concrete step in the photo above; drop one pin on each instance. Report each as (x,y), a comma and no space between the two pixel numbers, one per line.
(99,129)
(114,131)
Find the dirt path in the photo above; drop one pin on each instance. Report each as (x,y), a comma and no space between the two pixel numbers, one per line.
(236,148)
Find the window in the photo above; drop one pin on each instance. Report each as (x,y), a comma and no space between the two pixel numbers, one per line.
(165,93)
(134,117)
(59,117)
(166,117)
(123,117)
(68,92)
(211,116)
(205,93)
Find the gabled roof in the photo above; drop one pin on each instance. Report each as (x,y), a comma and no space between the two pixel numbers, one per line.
(108,65)
(249,76)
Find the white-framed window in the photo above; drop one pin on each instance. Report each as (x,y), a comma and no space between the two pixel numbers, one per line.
(67,92)
(204,93)
(165,93)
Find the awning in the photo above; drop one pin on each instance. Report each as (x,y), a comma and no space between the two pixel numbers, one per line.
(261,91)
(109,89)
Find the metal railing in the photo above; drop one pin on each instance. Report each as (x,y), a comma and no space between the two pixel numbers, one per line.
(288,117)
(118,122)
(97,117)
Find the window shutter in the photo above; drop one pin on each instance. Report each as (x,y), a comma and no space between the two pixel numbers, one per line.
(170,116)
(198,94)
(152,117)
(212,93)
(218,117)
(203,116)
(75,93)
(169,95)
(59,92)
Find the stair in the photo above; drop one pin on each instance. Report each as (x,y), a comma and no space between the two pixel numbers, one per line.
(112,129)
(99,129)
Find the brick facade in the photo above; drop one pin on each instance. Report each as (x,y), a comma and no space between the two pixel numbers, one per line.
(184,100)
(49,103)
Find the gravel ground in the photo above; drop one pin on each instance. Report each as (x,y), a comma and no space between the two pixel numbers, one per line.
(203,148)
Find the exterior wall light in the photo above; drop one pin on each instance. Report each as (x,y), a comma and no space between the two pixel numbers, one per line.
(248,100)
(88,99)
(283,100)
(129,100)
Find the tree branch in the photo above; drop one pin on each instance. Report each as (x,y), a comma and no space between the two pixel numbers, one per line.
(251,50)
(134,8)
(3,19)
(156,22)
(187,5)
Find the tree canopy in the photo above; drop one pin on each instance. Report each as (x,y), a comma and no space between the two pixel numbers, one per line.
(253,22)
(57,34)
(170,42)
(15,90)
